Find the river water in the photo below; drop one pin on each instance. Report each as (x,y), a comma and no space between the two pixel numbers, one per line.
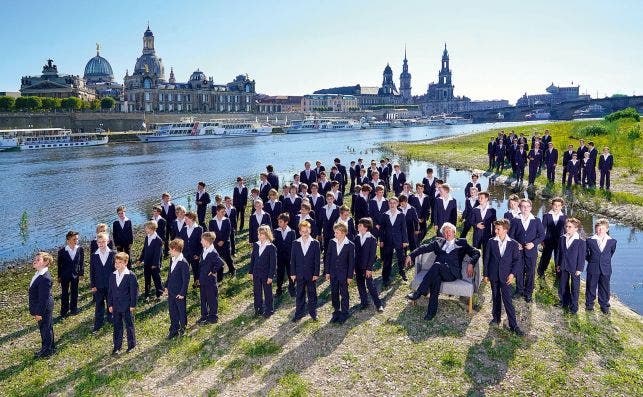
(45,193)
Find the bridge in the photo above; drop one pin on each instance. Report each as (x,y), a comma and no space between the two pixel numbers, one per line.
(560,111)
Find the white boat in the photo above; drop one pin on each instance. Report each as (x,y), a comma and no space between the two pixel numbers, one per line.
(213,129)
(319,124)
(380,124)
(444,119)
(48,138)
(538,115)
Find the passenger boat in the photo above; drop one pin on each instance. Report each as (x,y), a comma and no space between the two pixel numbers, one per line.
(213,129)
(321,124)
(48,138)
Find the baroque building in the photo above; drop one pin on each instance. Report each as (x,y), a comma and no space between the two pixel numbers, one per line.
(57,85)
(405,81)
(443,89)
(147,90)
(100,77)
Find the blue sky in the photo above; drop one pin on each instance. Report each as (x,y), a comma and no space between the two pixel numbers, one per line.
(499,49)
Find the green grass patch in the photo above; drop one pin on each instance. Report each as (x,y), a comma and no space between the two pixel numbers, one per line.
(259,347)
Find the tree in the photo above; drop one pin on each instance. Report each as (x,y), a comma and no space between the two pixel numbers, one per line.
(7,103)
(49,103)
(95,104)
(107,103)
(71,103)
(28,103)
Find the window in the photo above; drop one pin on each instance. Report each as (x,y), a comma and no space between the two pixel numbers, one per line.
(147,96)
(147,83)
(179,97)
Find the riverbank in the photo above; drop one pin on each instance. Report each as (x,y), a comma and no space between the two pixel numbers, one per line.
(393,353)
(625,200)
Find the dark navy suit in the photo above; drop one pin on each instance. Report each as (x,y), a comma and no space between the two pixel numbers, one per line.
(423,211)
(412,226)
(312,177)
(292,206)
(491,153)
(551,159)
(467,189)
(69,272)
(553,231)
(231,213)
(535,161)
(398,183)
(520,159)
(151,255)
(573,172)
(498,268)
(222,243)
(99,274)
(340,267)
(535,234)
(314,231)
(121,298)
(376,215)
(274,210)
(599,270)
(263,266)
(466,216)
(570,260)
(41,303)
(208,269)
(284,248)
(327,223)
(361,207)
(273,179)
(481,236)
(239,202)
(202,206)
(170,217)
(177,284)
(254,225)
(605,167)
(264,189)
(393,235)
(317,203)
(365,256)
(500,152)
(304,268)
(441,215)
(161,228)
(123,237)
(192,249)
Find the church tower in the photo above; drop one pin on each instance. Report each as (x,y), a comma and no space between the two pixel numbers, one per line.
(443,89)
(405,80)
(388,86)
(148,41)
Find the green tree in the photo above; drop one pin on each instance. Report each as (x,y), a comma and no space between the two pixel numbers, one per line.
(95,104)
(71,103)
(49,103)
(28,103)
(7,103)
(107,103)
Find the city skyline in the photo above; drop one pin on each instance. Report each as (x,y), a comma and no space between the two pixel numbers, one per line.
(289,56)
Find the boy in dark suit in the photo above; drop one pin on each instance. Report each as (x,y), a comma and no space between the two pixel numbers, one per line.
(264,187)
(345,218)
(41,303)
(571,261)
(491,151)
(573,170)
(554,225)
(470,203)
(176,289)
(501,263)
(231,213)
(393,237)
(222,229)
(316,200)
(262,268)
(513,210)
(528,231)
(377,206)
(365,256)
(600,249)
(260,217)
(500,152)
(209,266)
(291,205)
(284,237)
(308,175)
(520,160)
(342,171)
(399,179)
(123,233)
(422,204)
(360,203)
(327,218)
(151,259)
(202,201)
(474,183)
(273,207)
(535,157)
(272,177)
(101,267)
(551,159)
(339,267)
(161,223)
(123,293)
(240,200)
(412,223)
(482,218)
(71,268)
(566,157)
(168,212)
(304,271)
(304,215)
(193,248)
(605,165)
(93,245)
(445,209)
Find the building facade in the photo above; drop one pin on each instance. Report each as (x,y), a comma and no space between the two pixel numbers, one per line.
(443,89)
(100,77)
(555,94)
(57,85)
(147,90)
(279,104)
(329,103)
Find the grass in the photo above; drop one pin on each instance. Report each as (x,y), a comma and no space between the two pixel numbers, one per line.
(393,353)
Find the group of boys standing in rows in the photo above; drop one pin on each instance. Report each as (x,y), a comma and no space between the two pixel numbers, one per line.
(292,233)
(579,165)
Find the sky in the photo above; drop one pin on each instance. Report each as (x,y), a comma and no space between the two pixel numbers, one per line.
(498,49)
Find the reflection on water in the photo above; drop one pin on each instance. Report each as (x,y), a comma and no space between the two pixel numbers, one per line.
(77,188)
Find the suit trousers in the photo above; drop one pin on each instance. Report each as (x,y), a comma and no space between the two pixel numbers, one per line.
(128,318)
(366,283)
(306,290)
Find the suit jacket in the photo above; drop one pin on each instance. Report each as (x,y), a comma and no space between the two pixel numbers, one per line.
(480,235)
(393,234)
(274,212)
(412,222)
(452,259)
(553,231)
(441,215)
(361,207)
(599,262)
(192,245)
(468,210)
(467,189)
(535,233)
(122,297)
(337,177)
(571,259)
(123,236)
(398,183)
(175,232)
(423,209)
(365,254)
(170,214)
(500,152)
(304,267)
(205,200)
(535,159)
(376,214)
(40,298)
(491,148)
(566,157)
(178,279)
(317,203)
(342,171)
(239,196)
(520,159)
(291,206)
(208,268)
(314,227)
(574,169)
(551,158)
(593,153)
(342,265)
(328,222)
(68,268)
(498,268)
(151,254)
(283,245)
(161,227)
(308,179)
(254,225)
(98,272)
(605,165)
(273,179)
(581,152)
(263,191)
(232,216)
(263,265)
(429,188)
(350,224)
(324,187)
(222,234)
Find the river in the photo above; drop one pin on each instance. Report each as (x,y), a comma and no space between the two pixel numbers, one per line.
(45,193)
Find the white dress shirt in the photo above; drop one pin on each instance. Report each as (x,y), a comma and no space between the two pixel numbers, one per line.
(305,244)
(176,260)
(120,276)
(570,239)
(37,274)
(502,244)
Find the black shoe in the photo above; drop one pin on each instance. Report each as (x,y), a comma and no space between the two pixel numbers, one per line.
(268,314)
(605,311)
(494,322)
(590,308)
(403,275)
(74,312)
(413,296)
(342,319)
(528,299)
(116,352)
(129,349)
(258,312)
(213,321)
(429,317)
(172,335)
(334,318)
(202,321)
(380,309)
(313,317)
(296,319)
(517,331)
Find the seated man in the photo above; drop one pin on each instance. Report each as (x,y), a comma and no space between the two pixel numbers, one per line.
(449,254)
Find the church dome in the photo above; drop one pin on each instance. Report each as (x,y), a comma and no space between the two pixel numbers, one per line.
(148,32)
(153,63)
(197,76)
(388,69)
(98,69)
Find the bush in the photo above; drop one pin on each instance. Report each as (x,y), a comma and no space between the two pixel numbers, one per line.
(634,134)
(7,103)
(627,113)
(593,130)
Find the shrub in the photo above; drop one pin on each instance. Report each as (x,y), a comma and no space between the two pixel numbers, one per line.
(627,113)
(634,134)
(593,130)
